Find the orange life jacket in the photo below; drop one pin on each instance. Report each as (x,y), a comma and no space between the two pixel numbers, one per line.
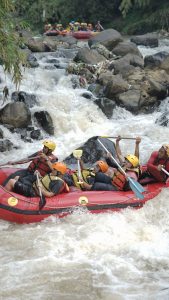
(119,180)
(41,165)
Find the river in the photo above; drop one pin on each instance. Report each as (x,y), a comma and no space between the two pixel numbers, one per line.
(110,256)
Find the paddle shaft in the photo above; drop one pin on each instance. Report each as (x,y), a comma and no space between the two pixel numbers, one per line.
(42,201)
(121,169)
(79,170)
(122,138)
(165,171)
(38,181)
(20,162)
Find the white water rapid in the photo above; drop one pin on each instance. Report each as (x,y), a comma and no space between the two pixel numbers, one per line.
(110,256)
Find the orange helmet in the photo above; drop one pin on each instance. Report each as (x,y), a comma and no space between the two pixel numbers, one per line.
(59,166)
(166,147)
(103,165)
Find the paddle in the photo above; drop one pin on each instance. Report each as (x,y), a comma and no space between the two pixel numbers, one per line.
(165,171)
(78,154)
(115,137)
(134,185)
(42,201)
(9,163)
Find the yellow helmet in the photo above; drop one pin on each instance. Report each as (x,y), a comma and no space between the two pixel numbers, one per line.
(166,147)
(103,165)
(50,145)
(133,160)
(59,166)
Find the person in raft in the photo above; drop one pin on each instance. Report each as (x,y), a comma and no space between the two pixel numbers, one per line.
(114,179)
(158,160)
(51,184)
(40,161)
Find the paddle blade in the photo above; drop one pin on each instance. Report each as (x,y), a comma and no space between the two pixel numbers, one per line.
(42,202)
(77,153)
(136,187)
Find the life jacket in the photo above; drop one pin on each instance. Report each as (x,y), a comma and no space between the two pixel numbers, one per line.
(120,180)
(40,164)
(47,179)
(86,174)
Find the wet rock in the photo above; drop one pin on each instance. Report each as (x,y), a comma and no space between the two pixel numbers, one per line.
(149,40)
(116,86)
(28,99)
(108,38)
(163,120)
(5,145)
(36,45)
(45,121)
(130,100)
(87,95)
(16,114)
(155,60)
(32,60)
(106,105)
(124,48)
(88,56)
(96,89)
(36,134)
(102,50)
(1,134)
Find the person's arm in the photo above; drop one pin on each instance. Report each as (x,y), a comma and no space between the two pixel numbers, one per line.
(136,152)
(118,150)
(24,160)
(152,158)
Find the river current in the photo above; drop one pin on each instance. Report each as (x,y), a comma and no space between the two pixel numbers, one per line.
(110,256)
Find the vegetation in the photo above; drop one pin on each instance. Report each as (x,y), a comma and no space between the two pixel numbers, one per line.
(127,16)
(10,56)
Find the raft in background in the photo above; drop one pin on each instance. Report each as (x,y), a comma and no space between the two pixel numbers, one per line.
(79,35)
(20,209)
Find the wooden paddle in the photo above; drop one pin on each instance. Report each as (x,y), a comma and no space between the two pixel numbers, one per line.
(122,138)
(134,185)
(78,154)
(42,201)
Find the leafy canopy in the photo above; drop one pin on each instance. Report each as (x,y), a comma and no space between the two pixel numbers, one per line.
(10,55)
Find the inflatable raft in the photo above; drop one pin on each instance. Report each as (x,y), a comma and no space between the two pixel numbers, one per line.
(21,209)
(82,35)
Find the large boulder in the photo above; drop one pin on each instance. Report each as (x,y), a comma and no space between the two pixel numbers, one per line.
(16,114)
(45,121)
(155,60)
(88,56)
(37,45)
(108,38)
(93,151)
(106,105)
(149,39)
(130,99)
(116,86)
(124,48)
